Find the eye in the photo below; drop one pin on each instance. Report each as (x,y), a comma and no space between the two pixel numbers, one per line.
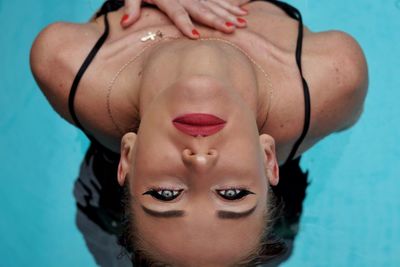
(233,193)
(163,194)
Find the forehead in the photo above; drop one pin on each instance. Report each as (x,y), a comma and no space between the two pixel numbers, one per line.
(198,235)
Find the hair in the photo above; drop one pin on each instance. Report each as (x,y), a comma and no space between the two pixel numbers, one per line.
(270,245)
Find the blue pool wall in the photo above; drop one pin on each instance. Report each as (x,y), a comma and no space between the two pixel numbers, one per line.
(351,213)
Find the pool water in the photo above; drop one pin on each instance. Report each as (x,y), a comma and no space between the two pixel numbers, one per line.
(351,214)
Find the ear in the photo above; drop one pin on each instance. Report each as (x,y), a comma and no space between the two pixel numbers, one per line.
(127,143)
(271,164)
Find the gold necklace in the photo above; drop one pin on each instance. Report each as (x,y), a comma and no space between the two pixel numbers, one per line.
(152,37)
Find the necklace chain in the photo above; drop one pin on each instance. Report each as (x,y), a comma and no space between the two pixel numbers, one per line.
(159,34)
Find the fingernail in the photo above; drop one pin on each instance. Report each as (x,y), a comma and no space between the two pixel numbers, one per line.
(124,18)
(229,24)
(244,9)
(195,32)
(241,20)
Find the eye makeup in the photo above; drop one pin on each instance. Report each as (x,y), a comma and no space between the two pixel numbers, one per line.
(163,194)
(234,194)
(168,194)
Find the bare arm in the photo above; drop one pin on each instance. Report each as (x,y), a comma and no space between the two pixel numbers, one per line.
(342,81)
(353,66)
(55,57)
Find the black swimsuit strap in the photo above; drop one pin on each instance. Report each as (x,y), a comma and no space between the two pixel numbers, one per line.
(82,70)
(78,78)
(108,6)
(112,5)
(295,14)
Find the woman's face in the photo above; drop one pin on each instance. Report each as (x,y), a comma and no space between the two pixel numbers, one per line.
(200,223)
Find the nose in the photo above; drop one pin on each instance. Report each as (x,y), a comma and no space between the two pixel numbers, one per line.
(200,158)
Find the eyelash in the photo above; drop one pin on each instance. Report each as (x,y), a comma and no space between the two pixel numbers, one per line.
(154,193)
(243,192)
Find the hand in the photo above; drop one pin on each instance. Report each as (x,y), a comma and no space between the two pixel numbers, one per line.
(221,15)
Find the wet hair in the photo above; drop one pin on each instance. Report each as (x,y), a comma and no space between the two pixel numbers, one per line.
(270,245)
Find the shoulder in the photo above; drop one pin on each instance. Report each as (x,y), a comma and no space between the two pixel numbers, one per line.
(54,57)
(51,43)
(342,81)
(347,55)
(342,56)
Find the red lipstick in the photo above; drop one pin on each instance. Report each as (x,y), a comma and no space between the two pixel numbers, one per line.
(195,124)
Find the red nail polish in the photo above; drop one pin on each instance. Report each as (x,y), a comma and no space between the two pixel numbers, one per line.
(195,32)
(124,18)
(241,20)
(229,24)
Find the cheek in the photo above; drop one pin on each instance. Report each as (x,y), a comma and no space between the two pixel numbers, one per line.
(244,156)
(156,154)
(149,145)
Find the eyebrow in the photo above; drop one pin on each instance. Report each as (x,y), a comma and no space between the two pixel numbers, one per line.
(164,214)
(221,214)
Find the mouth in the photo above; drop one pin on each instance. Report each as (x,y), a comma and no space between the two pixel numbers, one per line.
(196,124)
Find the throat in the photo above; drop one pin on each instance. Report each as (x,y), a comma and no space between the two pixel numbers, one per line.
(218,60)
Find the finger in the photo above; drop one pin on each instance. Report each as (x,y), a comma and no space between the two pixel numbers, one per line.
(234,9)
(177,13)
(132,12)
(242,2)
(224,14)
(238,2)
(203,14)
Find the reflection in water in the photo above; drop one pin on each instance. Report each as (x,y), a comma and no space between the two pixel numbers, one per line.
(99,209)
(100,212)
(101,244)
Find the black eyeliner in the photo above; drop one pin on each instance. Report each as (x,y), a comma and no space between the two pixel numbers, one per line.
(154,194)
(243,193)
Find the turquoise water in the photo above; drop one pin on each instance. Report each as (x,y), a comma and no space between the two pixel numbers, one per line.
(351,215)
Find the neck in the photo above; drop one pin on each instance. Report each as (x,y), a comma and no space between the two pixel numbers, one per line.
(179,60)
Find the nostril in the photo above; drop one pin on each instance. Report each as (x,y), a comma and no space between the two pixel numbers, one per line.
(212,152)
(187,152)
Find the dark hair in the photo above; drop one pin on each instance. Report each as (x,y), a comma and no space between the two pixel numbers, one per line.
(270,245)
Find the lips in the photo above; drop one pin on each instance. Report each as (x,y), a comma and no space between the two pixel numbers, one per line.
(195,124)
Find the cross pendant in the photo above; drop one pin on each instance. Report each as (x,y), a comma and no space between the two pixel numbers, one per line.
(149,36)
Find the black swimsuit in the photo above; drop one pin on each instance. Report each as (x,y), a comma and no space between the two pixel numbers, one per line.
(110,5)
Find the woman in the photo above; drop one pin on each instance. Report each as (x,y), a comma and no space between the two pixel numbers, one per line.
(200,123)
